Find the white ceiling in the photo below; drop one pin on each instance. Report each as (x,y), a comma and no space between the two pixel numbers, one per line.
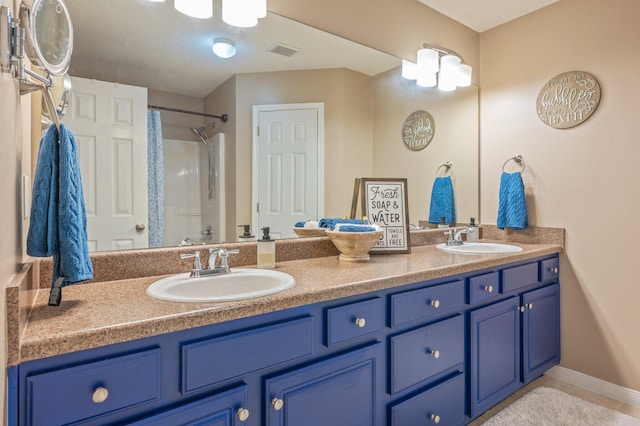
(481,15)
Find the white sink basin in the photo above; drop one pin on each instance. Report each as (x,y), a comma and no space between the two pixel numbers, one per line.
(238,285)
(480,248)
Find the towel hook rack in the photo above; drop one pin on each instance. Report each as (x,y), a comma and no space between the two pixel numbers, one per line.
(447,165)
(516,159)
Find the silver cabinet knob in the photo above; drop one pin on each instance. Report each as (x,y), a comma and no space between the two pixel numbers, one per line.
(361,322)
(530,306)
(277,404)
(435,418)
(100,395)
(488,288)
(521,308)
(243,414)
(435,303)
(554,270)
(435,354)
(140,227)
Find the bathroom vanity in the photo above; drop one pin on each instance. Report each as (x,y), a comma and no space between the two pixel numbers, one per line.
(418,339)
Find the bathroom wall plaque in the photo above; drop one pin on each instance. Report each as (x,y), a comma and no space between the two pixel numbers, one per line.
(568,99)
(418,130)
(384,202)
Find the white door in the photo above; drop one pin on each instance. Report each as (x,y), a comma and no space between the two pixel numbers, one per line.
(288,164)
(109,121)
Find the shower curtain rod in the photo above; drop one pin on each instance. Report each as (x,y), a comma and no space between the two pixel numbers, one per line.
(223,117)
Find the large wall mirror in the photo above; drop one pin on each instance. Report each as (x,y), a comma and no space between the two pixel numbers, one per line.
(132,54)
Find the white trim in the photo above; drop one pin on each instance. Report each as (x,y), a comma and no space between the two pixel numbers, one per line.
(592,384)
(257,109)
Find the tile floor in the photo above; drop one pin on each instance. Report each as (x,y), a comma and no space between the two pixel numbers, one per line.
(567,388)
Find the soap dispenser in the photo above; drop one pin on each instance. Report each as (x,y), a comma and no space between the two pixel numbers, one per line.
(246,234)
(475,235)
(266,250)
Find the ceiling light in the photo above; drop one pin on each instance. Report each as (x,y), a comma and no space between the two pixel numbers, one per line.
(243,13)
(436,66)
(202,9)
(224,48)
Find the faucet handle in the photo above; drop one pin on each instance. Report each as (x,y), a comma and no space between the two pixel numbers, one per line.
(449,235)
(197,266)
(223,254)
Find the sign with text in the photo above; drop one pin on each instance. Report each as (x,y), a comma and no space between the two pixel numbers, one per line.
(385,203)
(568,99)
(418,130)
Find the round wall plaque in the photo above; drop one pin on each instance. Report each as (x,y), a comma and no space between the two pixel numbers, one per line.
(418,130)
(568,99)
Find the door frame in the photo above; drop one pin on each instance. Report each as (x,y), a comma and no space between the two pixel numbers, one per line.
(257,109)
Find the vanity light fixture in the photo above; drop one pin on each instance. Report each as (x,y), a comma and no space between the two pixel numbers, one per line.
(224,48)
(243,13)
(437,66)
(202,9)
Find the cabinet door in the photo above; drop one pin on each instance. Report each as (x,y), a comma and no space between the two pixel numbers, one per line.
(225,409)
(540,331)
(495,354)
(338,392)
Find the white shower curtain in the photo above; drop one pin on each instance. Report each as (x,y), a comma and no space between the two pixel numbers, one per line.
(155,164)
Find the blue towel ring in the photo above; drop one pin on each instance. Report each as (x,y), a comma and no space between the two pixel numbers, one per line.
(448,165)
(516,159)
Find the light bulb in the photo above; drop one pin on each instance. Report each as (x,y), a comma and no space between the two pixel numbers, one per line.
(426,79)
(202,9)
(428,60)
(239,13)
(464,76)
(409,70)
(449,73)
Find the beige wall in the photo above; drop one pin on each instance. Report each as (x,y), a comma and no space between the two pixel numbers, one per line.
(584,179)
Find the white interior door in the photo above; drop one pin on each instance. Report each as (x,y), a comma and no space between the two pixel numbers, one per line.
(109,121)
(288,164)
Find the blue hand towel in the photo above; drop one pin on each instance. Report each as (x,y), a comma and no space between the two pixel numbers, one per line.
(331,222)
(512,207)
(356,228)
(58,225)
(442,203)
(300,224)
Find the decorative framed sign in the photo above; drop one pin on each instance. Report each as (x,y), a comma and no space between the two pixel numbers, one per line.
(568,99)
(418,130)
(385,203)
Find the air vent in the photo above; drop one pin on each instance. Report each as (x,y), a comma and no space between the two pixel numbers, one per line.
(283,49)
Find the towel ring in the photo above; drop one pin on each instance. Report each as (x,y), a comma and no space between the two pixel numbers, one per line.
(516,159)
(448,165)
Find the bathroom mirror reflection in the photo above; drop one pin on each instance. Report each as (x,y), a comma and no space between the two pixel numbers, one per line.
(157,56)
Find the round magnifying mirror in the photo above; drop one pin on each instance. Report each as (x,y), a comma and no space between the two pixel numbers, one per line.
(51,36)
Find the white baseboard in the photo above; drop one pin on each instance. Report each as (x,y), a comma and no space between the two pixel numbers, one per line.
(592,384)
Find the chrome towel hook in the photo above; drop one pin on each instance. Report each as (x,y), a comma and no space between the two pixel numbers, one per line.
(516,159)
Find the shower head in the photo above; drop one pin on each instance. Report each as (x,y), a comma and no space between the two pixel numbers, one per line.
(200,132)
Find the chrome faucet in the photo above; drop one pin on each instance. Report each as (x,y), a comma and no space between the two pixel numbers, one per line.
(223,267)
(455,239)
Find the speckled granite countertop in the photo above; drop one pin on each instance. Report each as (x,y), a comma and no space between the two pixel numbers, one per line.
(98,314)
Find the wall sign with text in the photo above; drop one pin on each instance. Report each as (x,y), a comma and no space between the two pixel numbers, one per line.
(568,99)
(385,203)
(418,130)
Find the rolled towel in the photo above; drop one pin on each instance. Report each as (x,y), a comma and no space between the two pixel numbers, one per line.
(512,206)
(311,224)
(442,202)
(300,224)
(347,227)
(331,222)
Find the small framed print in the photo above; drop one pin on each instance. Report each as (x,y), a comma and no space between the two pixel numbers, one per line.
(385,203)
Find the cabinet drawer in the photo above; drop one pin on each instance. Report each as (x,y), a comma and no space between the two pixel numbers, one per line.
(443,404)
(67,395)
(224,409)
(519,276)
(221,358)
(426,302)
(483,286)
(549,269)
(354,320)
(425,352)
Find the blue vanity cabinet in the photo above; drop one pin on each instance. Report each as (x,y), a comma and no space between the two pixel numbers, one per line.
(440,351)
(515,340)
(340,391)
